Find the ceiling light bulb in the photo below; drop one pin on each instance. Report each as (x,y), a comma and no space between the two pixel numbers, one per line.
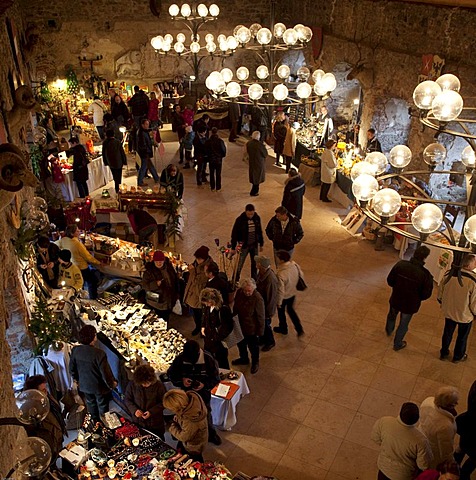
(328,82)
(227,74)
(235,30)
(180,37)
(280,92)
(290,37)
(209,38)
(301,33)
(283,72)
(157,42)
(221,38)
(434,154)
(254,29)
(307,34)
(362,167)
(364,187)
(303,73)
(425,93)
(195,47)
(213,80)
(386,202)
(427,218)
(468,157)
(255,91)
(243,35)
(202,10)
(449,82)
(242,73)
(232,43)
(168,38)
(214,10)
(179,47)
(174,10)
(400,156)
(223,46)
(447,105)
(185,10)
(470,229)
(279,30)
(264,36)
(378,160)
(262,72)
(211,47)
(233,89)
(166,47)
(304,90)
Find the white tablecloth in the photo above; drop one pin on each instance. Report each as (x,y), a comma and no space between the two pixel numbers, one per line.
(99,175)
(121,217)
(223,410)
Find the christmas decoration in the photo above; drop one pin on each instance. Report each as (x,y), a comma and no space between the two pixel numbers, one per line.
(47,327)
(72,82)
(36,156)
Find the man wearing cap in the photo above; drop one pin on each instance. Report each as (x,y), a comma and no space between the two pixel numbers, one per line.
(197,281)
(405,450)
(248,233)
(267,286)
(69,273)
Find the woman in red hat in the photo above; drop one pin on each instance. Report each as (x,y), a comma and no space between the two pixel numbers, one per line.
(160,282)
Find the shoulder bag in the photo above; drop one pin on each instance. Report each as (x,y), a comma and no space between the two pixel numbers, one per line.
(301,284)
(235,336)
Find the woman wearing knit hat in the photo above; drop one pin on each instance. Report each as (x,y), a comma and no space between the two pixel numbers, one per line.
(160,283)
(197,281)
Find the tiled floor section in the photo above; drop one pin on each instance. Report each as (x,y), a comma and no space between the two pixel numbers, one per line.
(314,400)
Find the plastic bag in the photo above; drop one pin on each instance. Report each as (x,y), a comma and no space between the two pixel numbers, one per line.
(177,308)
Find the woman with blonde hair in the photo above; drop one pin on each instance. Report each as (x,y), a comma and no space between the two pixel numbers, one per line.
(217,324)
(190,425)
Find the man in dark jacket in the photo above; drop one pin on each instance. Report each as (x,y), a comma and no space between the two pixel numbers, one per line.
(373,144)
(267,286)
(218,281)
(285,231)
(47,260)
(172,180)
(114,157)
(257,154)
(411,283)
(217,151)
(249,306)
(294,189)
(201,154)
(248,233)
(144,149)
(89,367)
(139,105)
(194,369)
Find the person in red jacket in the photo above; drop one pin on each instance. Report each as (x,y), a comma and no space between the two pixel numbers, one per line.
(142,222)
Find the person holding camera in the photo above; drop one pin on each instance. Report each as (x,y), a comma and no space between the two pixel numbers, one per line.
(196,370)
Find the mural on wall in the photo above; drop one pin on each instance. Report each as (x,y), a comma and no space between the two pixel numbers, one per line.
(129,64)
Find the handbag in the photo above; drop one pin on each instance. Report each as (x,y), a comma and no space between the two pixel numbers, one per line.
(301,284)
(235,336)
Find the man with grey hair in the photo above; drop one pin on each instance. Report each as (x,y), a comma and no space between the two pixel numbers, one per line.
(437,422)
(257,154)
(457,296)
(267,286)
(249,306)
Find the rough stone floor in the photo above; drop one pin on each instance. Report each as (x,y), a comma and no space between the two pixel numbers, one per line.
(314,400)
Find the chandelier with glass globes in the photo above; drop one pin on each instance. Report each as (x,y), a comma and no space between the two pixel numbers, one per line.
(194,16)
(441,107)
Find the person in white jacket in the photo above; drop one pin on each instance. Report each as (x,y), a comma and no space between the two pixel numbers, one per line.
(328,170)
(288,275)
(97,109)
(437,422)
(404,449)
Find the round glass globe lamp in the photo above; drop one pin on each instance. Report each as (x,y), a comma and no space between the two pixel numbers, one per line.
(283,72)
(378,160)
(202,10)
(264,36)
(223,46)
(243,35)
(290,37)
(214,10)
(434,154)
(254,29)
(364,187)
(233,89)
(468,157)
(307,34)
(303,72)
(166,47)
(303,90)
(317,75)
(179,47)
(213,80)
(211,47)
(255,91)
(427,218)
(280,92)
(400,156)
(235,30)
(360,168)
(242,73)
(449,82)
(227,74)
(209,37)
(32,456)
(174,10)
(185,10)
(447,105)
(220,87)
(387,202)
(157,42)
(168,38)
(328,82)
(232,43)
(470,229)
(425,93)
(279,30)
(262,72)
(32,406)
(180,37)
(301,33)
(194,47)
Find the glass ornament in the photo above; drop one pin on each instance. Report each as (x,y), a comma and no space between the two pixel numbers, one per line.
(447,105)
(427,218)
(425,93)
(386,202)
(400,156)
(364,187)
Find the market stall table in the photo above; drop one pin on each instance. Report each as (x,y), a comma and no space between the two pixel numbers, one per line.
(224,409)
(310,175)
(218,117)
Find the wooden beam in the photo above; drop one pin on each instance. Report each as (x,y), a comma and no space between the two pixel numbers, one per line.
(445,3)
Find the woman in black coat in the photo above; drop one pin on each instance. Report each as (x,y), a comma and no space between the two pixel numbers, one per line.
(144,400)
(217,150)
(217,324)
(294,190)
(80,166)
